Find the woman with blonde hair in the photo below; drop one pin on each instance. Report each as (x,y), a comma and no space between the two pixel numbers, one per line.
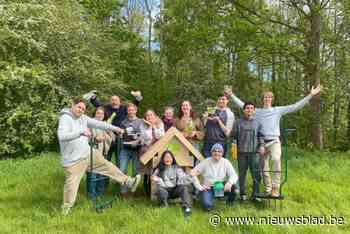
(151,130)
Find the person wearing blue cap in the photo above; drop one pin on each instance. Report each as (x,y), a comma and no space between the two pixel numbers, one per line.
(218,174)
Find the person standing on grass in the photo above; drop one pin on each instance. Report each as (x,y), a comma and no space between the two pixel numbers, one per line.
(250,141)
(116,109)
(73,135)
(218,126)
(215,170)
(269,117)
(130,144)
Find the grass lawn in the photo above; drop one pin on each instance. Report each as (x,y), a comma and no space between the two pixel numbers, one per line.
(31,195)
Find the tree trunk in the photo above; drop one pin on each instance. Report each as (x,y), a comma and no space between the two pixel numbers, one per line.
(312,71)
(348,115)
(336,108)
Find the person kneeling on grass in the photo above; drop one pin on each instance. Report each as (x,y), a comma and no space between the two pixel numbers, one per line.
(73,135)
(219,177)
(172,182)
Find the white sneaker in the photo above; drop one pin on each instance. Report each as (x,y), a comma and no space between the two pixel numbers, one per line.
(132,183)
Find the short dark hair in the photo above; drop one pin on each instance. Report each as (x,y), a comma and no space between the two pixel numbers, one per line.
(248,104)
(78,100)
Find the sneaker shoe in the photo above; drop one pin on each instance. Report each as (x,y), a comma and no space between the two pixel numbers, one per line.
(164,204)
(89,95)
(255,199)
(132,183)
(243,197)
(265,194)
(275,192)
(187,211)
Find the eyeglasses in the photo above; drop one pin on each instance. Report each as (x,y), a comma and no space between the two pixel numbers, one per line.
(216,151)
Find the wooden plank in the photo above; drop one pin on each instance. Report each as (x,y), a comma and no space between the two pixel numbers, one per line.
(189,146)
(161,145)
(158,146)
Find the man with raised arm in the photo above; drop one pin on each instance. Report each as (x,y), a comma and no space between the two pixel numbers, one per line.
(269,117)
(116,110)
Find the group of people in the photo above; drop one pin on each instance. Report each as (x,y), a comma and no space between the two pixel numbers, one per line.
(116,129)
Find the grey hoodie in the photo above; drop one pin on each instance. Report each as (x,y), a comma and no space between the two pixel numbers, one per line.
(73,145)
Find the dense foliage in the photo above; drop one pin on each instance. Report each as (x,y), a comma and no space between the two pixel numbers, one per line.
(52,50)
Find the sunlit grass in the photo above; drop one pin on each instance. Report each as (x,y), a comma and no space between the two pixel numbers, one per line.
(31,194)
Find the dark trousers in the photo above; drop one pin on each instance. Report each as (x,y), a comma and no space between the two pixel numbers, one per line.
(115,148)
(250,161)
(207,198)
(182,191)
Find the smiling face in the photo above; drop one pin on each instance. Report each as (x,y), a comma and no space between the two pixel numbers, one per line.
(99,114)
(115,101)
(78,109)
(168,159)
(222,102)
(150,116)
(216,154)
(132,110)
(249,111)
(186,107)
(267,99)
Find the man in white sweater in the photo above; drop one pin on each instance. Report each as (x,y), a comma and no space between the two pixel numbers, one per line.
(269,117)
(73,135)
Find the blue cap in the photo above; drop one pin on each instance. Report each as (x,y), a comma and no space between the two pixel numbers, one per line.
(217,147)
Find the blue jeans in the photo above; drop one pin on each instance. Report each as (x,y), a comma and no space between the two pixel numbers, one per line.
(207,148)
(207,198)
(123,160)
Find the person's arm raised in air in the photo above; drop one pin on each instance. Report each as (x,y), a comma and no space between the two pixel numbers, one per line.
(138,97)
(229,94)
(300,104)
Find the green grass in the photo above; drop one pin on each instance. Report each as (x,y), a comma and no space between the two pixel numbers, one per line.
(31,194)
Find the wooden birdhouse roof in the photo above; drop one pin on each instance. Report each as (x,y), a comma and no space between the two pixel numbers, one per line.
(163,144)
